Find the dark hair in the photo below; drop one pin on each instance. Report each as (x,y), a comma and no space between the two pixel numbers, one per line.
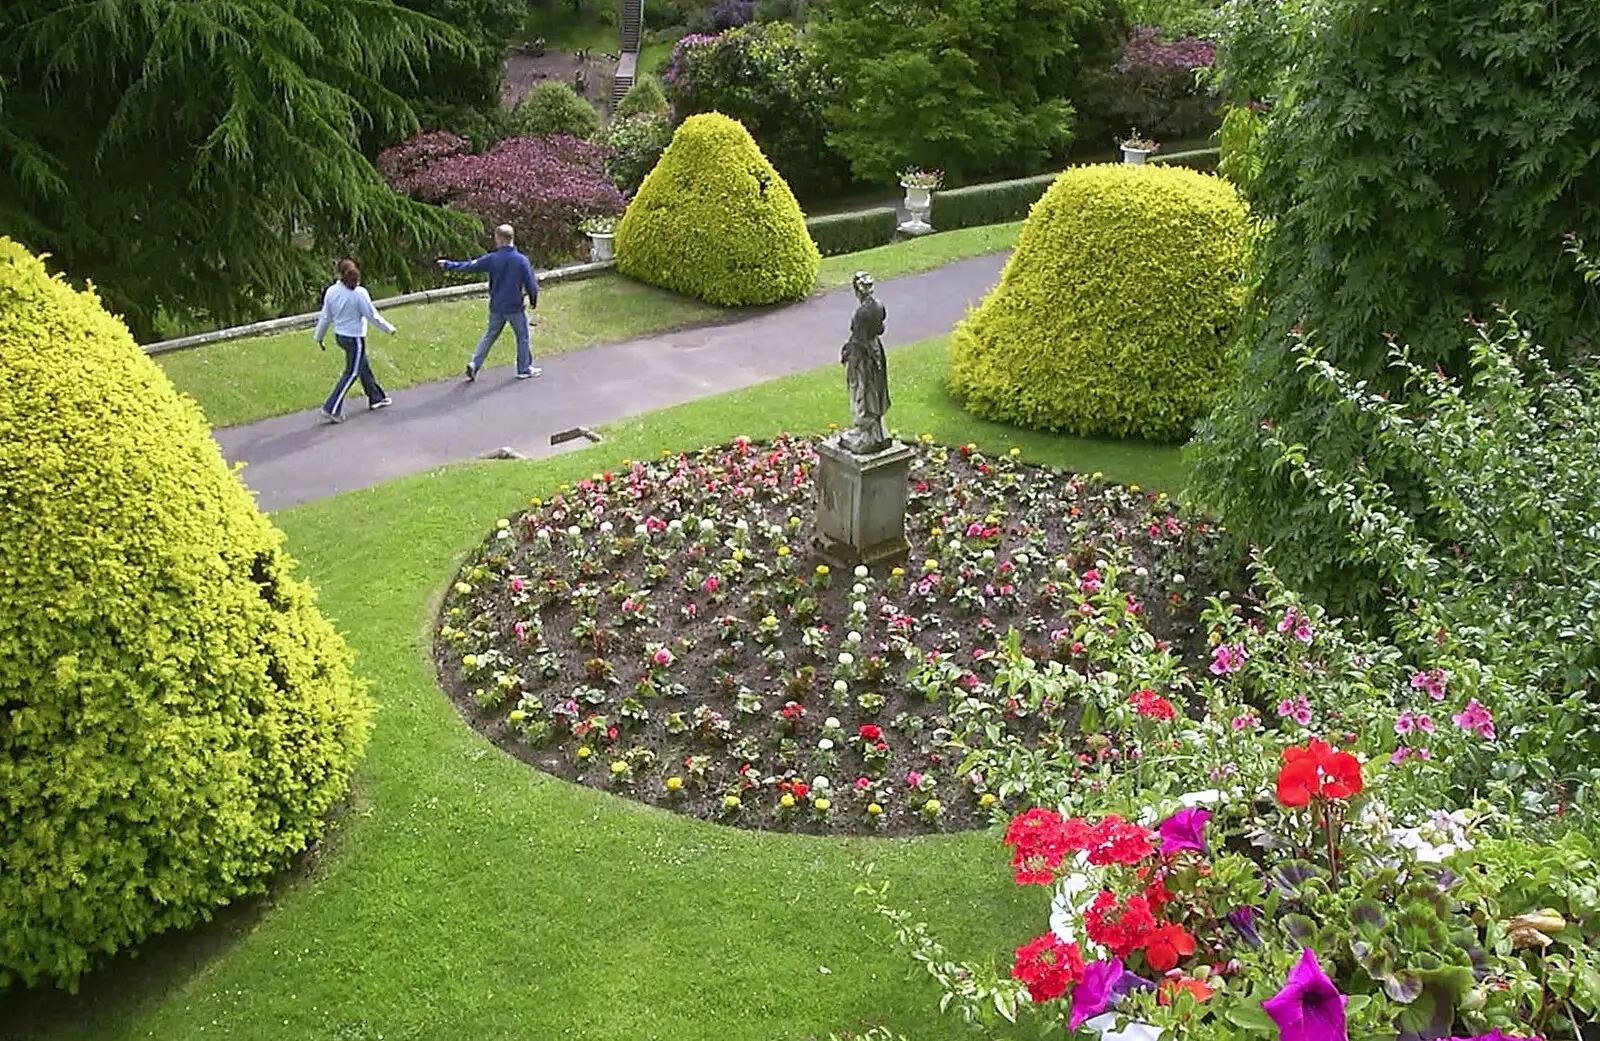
(344,262)
(349,274)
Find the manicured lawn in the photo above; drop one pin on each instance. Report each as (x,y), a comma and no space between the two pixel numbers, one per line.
(240,381)
(467,896)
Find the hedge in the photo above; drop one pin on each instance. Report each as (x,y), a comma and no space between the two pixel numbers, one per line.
(853,232)
(1115,314)
(997,202)
(176,717)
(714,220)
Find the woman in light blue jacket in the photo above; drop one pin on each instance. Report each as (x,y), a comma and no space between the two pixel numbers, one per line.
(348,307)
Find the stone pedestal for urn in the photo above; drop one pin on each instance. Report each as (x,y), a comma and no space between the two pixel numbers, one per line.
(861,504)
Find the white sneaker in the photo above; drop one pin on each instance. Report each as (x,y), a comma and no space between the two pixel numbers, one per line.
(530,374)
(332,417)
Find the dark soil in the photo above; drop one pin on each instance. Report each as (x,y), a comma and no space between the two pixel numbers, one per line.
(545,631)
(524,70)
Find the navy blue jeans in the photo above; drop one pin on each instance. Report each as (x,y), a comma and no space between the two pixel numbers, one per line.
(355,366)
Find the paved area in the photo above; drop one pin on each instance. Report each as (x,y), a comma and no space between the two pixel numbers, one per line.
(297,458)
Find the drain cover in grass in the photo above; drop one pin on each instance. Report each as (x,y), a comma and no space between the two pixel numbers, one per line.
(662,631)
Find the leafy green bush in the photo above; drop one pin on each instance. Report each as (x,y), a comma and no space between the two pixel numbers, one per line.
(714,220)
(994,203)
(1115,314)
(177,715)
(1416,169)
(645,97)
(552,108)
(853,232)
(974,90)
(636,144)
(772,79)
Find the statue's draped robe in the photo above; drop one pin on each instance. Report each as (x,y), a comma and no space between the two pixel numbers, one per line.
(866,369)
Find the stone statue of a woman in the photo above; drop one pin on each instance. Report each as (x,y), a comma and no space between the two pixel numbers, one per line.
(866,372)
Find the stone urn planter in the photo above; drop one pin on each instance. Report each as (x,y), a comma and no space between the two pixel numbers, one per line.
(1135,149)
(600,230)
(919,186)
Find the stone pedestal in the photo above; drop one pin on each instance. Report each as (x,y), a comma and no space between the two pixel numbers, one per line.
(861,504)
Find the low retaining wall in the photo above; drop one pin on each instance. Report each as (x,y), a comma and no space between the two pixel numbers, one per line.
(571,273)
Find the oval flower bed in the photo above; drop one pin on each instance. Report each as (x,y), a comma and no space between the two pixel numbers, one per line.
(664,632)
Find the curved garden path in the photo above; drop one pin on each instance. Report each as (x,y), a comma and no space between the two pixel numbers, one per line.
(297,458)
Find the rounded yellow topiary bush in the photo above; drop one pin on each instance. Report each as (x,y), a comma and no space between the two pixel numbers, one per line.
(1115,314)
(714,220)
(176,717)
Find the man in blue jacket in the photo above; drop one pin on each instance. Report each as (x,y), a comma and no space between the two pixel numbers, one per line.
(510,275)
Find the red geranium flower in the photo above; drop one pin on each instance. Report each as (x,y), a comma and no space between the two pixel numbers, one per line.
(1166,945)
(1047,966)
(1119,929)
(1147,702)
(1200,989)
(870,732)
(1317,770)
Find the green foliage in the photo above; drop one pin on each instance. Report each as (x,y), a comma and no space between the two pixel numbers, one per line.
(635,144)
(1175,17)
(645,97)
(970,89)
(772,79)
(1507,568)
(1418,165)
(1115,314)
(715,221)
(203,159)
(853,232)
(993,203)
(553,107)
(178,717)
(468,78)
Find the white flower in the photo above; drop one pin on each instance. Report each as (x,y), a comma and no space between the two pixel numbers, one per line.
(1021,559)
(832,722)
(1141,571)
(820,783)
(825,745)
(854,637)
(1106,1024)
(675,524)
(707,525)
(574,531)
(741,525)
(861,571)
(955,545)
(640,530)
(1178,579)
(1069,903)
(1062,564)
(847,658)
(605,526)
(988,554)
(840,686)
(1204,797)
(858,607)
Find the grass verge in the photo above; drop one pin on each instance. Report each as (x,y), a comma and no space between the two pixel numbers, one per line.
(466,896)
(240,381)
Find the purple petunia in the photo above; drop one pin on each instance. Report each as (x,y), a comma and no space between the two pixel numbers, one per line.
(1309,1007)
(1184,830)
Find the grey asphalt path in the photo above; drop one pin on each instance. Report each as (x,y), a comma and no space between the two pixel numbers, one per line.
(297,458)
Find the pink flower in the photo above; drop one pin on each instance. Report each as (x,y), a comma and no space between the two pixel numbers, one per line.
(662,657)
(913,778)
(1228,657)
(711,584)
(1475,718)
(1248,721)
(516,585)
(1432,681)
(1090,582)
(1296,708)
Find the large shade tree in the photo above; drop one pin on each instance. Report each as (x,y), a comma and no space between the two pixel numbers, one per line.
(201,157)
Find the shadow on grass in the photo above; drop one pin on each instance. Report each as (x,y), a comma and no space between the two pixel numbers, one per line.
(152,973)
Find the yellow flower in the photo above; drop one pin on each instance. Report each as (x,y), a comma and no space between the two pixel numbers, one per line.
(584,752)
(897,572)
(674,783)
(738,554)
(821,805)
(874,809)
(1014,452)
(931,807)
(730,802)
(502,524)
(783,551)
(1096,475)
(535,501)
(786,800)
(986,799)
(927,439)
(822,569)
(1133,487)
(463,588)
(619,767)
(936,531)
(517,715)
(930,565)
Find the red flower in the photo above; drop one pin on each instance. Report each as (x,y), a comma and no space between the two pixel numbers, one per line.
(1170,987)
(1047,966)
(1038,840)
(1116,841)
(1147,702)
(1119,929)
(1317,770)
(870,732)
(1165,946)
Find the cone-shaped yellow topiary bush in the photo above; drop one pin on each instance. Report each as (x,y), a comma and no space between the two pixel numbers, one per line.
(176,717)
(714,220)
(1115,314)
